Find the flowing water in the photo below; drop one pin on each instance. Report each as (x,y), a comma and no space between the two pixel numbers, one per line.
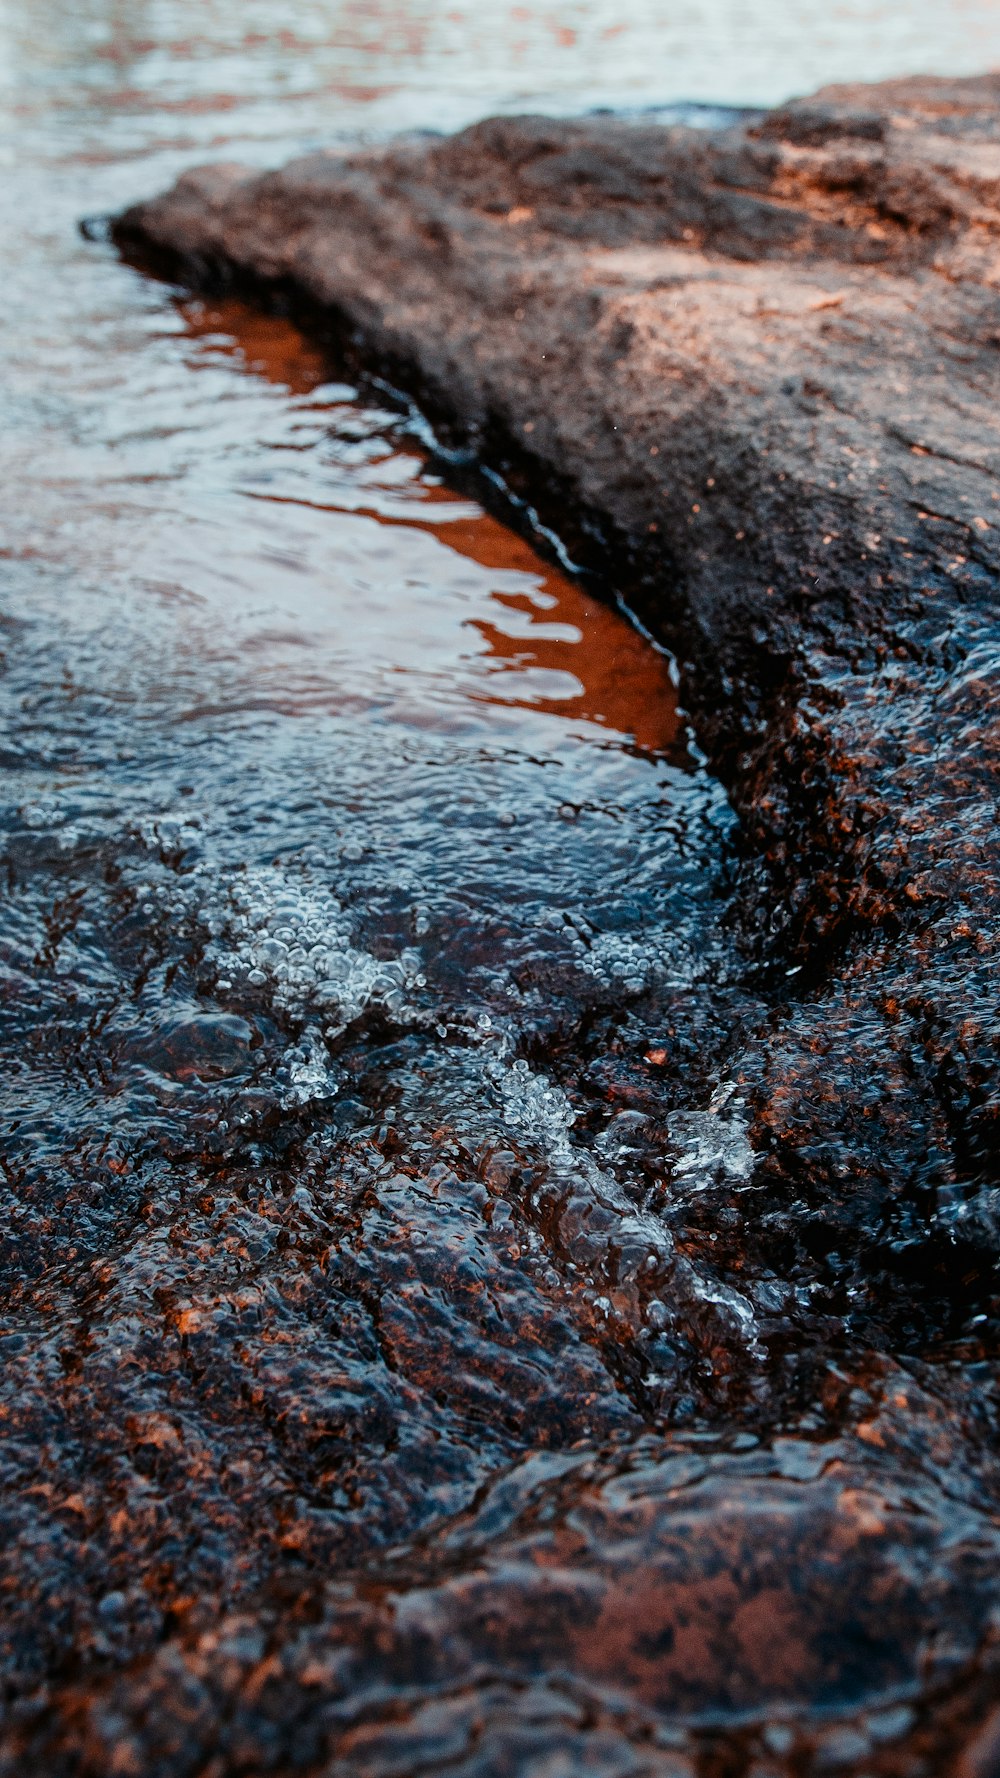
(366,987)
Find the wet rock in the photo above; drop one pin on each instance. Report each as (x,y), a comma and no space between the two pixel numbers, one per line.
(753,371)
(423,1433)
(640,1612)
(203,1047)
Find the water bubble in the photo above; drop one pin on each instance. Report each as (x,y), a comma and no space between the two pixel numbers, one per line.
(272,951)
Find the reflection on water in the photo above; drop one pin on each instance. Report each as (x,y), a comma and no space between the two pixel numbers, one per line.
(520,634)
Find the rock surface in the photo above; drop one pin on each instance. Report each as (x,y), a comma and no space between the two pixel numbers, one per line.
(749,376)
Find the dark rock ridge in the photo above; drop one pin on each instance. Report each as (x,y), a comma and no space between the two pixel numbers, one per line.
(751,376)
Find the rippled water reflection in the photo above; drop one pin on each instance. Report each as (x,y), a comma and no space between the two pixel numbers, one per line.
(391,1360)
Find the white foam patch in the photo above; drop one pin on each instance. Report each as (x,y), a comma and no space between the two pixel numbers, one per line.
(309,1076)
(532,1108)
(288,935)
(712,1146)
(619,961)
(537,1113)
(275,930)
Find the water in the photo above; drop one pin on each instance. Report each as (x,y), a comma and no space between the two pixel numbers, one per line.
(384,1334)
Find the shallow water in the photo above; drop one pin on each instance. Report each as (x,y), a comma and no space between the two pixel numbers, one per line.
(387,1328)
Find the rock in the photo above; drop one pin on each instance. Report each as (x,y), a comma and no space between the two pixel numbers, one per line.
(751,374)
(611,1614)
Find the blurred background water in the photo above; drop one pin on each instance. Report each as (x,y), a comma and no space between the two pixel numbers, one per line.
(258,70)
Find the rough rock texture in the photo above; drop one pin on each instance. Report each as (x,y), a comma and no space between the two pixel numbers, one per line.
(751,377)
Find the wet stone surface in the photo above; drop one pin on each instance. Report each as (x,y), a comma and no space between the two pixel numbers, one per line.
(398,1366)
(347,944)
(416,1357)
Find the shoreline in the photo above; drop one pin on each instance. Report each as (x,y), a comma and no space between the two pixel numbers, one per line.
(748,374)
(748,377)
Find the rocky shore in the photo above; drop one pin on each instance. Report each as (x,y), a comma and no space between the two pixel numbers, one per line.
(752,375)
(749,376)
